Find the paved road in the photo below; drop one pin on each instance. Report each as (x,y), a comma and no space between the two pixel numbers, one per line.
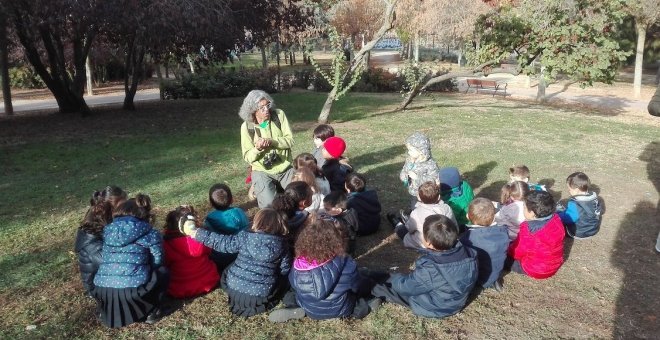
(25,105)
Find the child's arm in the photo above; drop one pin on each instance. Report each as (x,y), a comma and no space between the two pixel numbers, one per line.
(218,242)
(286,140)
(403,175)
(285,264)
(519,247)
(153,240)
(410,284)
(570,215)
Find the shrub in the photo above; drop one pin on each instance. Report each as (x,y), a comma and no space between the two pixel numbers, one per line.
(24,77)
(217,82)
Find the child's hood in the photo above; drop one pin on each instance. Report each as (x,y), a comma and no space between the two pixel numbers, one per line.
(366,201)
(420,142)
(125,230)
(586,197)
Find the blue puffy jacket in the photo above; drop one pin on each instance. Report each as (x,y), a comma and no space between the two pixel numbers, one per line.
(262,259)
(131,249)
(441,282)
(368,209)
(491,244)
(327,290)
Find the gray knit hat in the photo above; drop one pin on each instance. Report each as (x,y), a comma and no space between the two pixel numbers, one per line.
(420,142)
(251,104)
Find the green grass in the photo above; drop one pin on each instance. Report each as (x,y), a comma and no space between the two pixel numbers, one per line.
(174,151)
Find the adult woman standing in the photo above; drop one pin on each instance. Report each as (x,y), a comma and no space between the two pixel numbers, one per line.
(266,141)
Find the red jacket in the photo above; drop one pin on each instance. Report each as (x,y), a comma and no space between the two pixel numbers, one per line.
(191,271)
(539,247)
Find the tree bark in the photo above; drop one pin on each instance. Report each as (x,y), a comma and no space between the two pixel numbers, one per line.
(654,104)
(135,52)
(423,85)
(417,47)
(190,64)
(264,60)
(88,72)
(358,58)
(540,94)
(4,66)
(639,60)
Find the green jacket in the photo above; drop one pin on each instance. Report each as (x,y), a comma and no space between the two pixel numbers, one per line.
(459,203)
(282,142)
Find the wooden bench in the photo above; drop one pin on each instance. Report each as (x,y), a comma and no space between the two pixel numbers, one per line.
(489,85)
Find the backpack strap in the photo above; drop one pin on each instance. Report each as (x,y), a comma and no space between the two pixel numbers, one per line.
(252,129)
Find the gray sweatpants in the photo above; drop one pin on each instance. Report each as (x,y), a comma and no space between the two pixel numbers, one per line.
(267,185)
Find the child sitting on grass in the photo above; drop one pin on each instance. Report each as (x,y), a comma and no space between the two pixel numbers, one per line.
(365,202)
(429,204)
(538,251)
(420,167)
(256,280)
(89,238)
(224,219)
(334,170)
(326,280)
(192,272)
(131,281)
(307,160)
(335,206)
(443,277)
(512,209)
(306,175)
(321,133)
(292,203)
(582,214)
(488,239)
(457,193)
(521,173)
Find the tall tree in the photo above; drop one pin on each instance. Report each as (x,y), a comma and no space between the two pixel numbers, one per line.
(4,63)
(342,75)
(56,36)
(569,37)
(646,13)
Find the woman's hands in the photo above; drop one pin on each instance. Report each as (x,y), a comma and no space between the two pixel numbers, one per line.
(263,143)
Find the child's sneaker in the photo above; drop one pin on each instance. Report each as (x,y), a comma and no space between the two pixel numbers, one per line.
(393,219)
(286,314)
(405,215)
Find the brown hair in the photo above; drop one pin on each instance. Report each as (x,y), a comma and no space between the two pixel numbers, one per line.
(100,209)
(519,171)
(138,207)
(514,191)
(270,221)
(323,132)
(173,217)
(481,211)
(306,175)
(429,192)
(288,202)
(307,160)
(356,182)
(321,239)
(578,180)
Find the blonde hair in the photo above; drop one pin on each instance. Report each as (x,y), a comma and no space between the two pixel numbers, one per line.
(519,172)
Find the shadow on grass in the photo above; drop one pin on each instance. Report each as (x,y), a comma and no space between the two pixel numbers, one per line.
(30,269)
(478,176)
(637,311)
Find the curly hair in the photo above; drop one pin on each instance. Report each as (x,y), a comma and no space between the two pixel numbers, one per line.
(321,240)
(251,104)
(101,205)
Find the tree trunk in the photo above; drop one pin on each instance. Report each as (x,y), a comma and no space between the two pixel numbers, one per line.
(88,71)
(654,104)
(417,47)
(190,64)
(167,70)
(159,73)
(540,94)
(415,91)
(639,59)
(135,52)
(327,106)
(4,66)
(264,60)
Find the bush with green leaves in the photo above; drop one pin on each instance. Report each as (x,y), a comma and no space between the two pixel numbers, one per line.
(218,82)
(24,77)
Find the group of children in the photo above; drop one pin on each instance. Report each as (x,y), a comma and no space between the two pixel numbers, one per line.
(298,250)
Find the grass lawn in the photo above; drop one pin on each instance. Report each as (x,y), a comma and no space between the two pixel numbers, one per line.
(174,151)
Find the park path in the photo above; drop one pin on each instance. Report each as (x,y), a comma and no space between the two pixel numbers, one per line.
(617,98)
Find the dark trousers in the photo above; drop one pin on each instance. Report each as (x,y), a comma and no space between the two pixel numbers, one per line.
(383,289)
(513,266)
(360,310)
